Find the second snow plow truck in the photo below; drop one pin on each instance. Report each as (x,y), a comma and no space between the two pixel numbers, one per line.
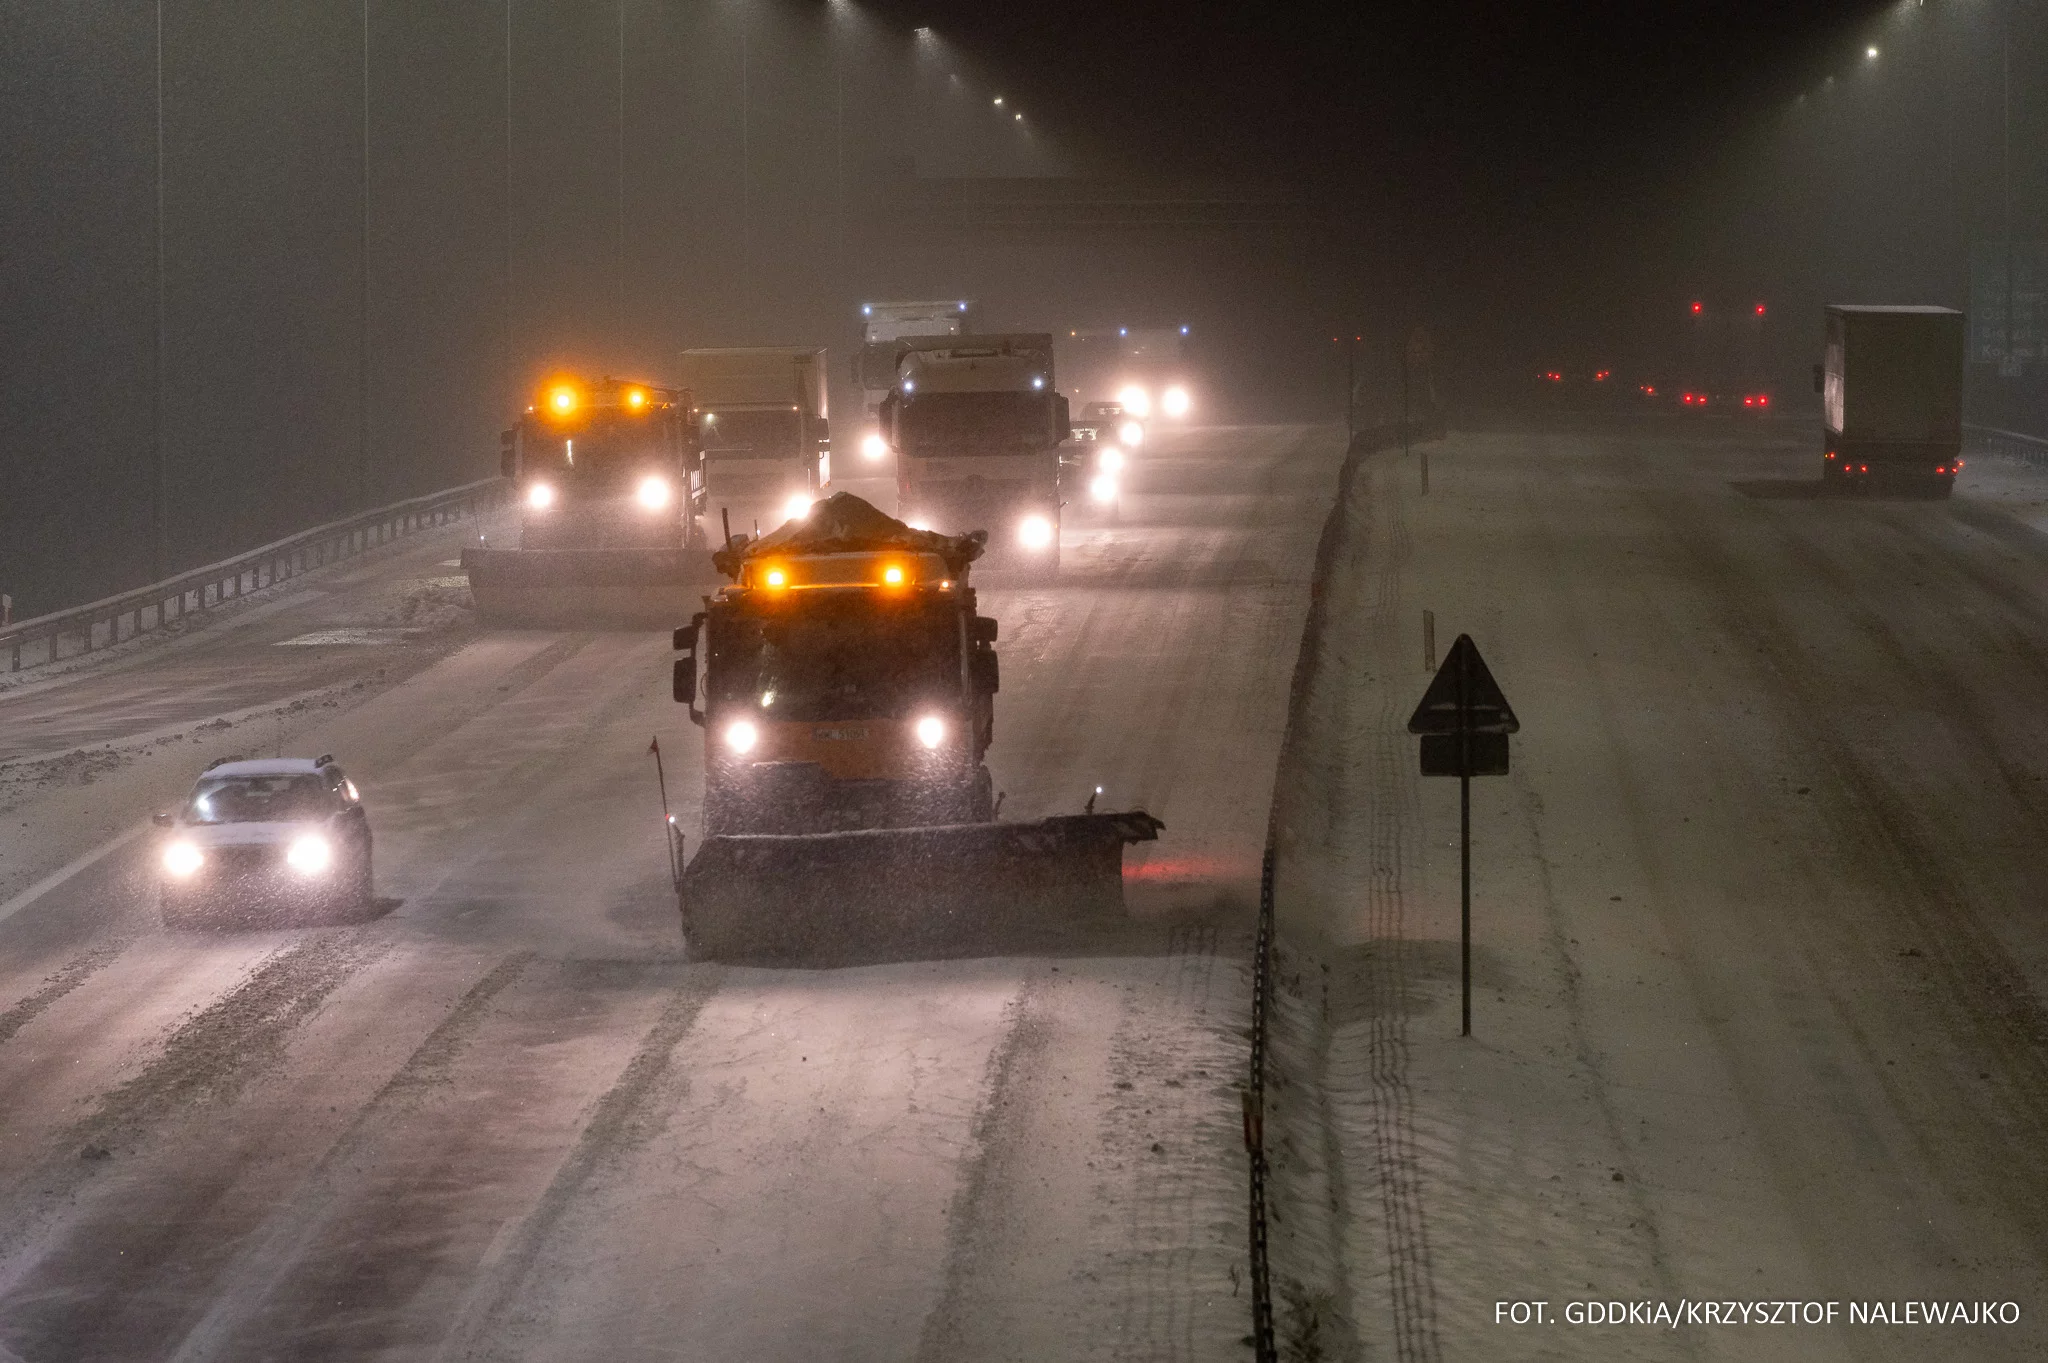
(609,483)
(846,687)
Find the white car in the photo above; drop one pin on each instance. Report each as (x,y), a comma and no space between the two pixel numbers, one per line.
(278,835)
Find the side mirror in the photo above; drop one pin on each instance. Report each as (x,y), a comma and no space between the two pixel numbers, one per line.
(985,672)
(1819,378)
(683,684)
(160,820)
(984,628)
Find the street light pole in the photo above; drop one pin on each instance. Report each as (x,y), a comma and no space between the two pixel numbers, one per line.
(159,483)
(363,291)
(619,176)
(2009,363)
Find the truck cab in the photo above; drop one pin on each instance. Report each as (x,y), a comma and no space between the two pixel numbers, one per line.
(604,464)
(976,424)
(843,679)
(759,415)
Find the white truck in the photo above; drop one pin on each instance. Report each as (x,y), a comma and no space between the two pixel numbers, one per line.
(1891,386)
(883,324)
(976,423)
(762,425)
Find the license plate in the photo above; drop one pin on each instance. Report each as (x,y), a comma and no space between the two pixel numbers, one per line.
(845,733)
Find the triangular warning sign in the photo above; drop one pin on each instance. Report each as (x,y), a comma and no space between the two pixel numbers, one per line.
(1463,684)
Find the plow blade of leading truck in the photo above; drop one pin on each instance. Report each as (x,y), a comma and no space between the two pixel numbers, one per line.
(587,588)
(817,896)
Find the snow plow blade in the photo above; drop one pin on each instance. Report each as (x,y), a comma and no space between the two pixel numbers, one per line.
(586,588)
(807,896)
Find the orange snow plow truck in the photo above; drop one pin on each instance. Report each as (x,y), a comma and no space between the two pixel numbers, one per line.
(846,687)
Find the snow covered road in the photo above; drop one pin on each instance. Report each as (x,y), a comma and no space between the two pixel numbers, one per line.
(1760,952)
(505,1119)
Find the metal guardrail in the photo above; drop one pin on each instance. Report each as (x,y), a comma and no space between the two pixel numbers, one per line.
(115,619)
(2027,449)
(1362,442)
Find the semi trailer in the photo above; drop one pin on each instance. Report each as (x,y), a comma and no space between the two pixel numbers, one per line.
(1891,386)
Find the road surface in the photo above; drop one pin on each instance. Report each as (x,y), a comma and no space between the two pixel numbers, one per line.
(1761,951)
(505,1118)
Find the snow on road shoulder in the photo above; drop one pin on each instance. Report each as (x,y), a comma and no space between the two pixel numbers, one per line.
(1418,1177)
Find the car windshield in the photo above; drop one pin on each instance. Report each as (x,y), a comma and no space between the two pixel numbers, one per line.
(260,799)
(846,660)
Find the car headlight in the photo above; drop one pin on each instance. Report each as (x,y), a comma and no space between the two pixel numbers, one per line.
(182,858)
(741,736)
(309,855)
(872,446)
(1103,487)
(540,496)
(1111,460)
(1131,433)
(1175,401)
(653,493)
(1135,400)
(1035,532)
(931,731)
(797,507)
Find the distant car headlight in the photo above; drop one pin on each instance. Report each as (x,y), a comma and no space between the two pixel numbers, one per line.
(1035,532)
(872,446)
(1103,487)
(540,496)
(931,731)
(1111,460)
(181,858)
(741,736)
(797,507)
(1175,401)
(309,855)
(653,493)
(1131,433)
(1135,400)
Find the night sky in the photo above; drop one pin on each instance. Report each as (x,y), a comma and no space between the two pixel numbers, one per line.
(1535,184)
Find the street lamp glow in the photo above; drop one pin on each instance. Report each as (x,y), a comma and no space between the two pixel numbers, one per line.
(1870,53)
(998,101)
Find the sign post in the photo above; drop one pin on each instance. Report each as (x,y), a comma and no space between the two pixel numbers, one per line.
(1464,721)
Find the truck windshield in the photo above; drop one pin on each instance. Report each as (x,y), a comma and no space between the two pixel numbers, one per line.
(975,423)
(851,658)
(751,435)
(260,799)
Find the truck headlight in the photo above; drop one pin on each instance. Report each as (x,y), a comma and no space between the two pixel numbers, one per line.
(540,496)
(741,736)
(1111,460)
(1035,532)
(1131,433)
(1135,400)
(182,858)
(1103,487)
(1175,401)
(653,493)
(872,446)
(797,507)
(309,855)
(931,731)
